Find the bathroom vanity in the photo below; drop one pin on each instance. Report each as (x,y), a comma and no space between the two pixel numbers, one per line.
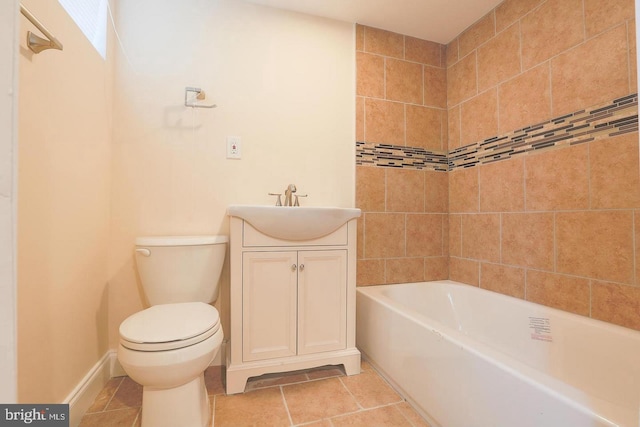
(292,301)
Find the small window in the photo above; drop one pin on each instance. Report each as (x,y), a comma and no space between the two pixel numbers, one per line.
(91,17)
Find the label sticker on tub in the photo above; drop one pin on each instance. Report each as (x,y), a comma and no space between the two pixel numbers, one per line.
(540,329)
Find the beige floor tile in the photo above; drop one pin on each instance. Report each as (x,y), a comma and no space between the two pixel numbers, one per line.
(213,380)
(118,418)
(387,416)
(105,395)
(316,400)
(128,395)
(260,407)
(411,414)
(370,390)
(365,366)
(321,423)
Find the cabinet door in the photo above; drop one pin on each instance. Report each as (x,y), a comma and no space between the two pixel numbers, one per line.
(269,299)
(322,301)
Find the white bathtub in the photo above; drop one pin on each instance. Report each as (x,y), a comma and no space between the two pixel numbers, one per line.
(466,357)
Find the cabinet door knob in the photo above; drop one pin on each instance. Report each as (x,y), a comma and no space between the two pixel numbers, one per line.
(301,267)
(293,267)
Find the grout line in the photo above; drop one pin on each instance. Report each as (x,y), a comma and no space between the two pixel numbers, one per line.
(286,407)
(114,394)
(351,394)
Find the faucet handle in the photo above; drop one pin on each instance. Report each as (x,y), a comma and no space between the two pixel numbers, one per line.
(279,200)
(297,202)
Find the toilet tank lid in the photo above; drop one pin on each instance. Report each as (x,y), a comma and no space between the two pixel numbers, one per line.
(180,240)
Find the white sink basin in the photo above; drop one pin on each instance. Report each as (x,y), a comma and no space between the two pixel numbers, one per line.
(294,223)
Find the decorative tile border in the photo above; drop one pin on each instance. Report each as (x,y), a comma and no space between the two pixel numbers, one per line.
(397,156)
(603,121)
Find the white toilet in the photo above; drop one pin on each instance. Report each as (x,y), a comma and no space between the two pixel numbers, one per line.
(167,347)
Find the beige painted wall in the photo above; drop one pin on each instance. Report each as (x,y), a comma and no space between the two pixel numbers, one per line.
(8,199)
(63,186)
(283,82)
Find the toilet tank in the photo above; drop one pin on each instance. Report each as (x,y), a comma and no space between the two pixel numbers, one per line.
(176,269)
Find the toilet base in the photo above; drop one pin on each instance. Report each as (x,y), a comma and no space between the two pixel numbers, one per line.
(185,406)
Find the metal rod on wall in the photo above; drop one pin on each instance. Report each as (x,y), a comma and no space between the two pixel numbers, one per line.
(36,43)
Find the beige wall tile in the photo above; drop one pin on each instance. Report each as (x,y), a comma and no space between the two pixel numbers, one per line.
(403,81)
(370,188)
(509,11)
(566,293)
(383,42)
(384,122)
(502,186)
(594,72)
(464,271)
(436,191)
(479,117)
(370,72)
(619,304)
(600,15)
(615,176)
(423,51)
(481,237)
(463,190)
(461,80)
(455,235)
(525,99)
(445,236)
(636,220)
(557,179)
(404,270)
(405,190)
(527,240)
(359,37)
(477,34)
(360,237)
(633,56)
(503,279)
(424,235)
(370,272)
(453,121)
(595,244)
(451,56)
(384,235)
(359,118)
(436,268)
(435,87)
(424,127)
(552,28)
(499,58)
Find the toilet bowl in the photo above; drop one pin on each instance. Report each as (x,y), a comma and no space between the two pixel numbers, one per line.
(167,347)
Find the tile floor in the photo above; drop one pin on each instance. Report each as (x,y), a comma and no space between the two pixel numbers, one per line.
(322,397)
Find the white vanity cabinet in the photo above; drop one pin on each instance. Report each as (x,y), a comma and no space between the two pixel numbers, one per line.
(292,303)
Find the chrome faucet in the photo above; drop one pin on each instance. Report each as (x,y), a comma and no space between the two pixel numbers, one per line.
(288,193)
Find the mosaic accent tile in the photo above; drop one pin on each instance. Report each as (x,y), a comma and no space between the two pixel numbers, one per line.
(396,156)
(614,118)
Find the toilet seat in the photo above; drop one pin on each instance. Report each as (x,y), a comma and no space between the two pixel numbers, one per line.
(169,326)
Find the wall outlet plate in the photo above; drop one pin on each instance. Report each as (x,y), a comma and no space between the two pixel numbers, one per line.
(234,147)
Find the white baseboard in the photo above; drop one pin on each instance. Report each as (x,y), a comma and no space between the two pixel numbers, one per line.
(82,397)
